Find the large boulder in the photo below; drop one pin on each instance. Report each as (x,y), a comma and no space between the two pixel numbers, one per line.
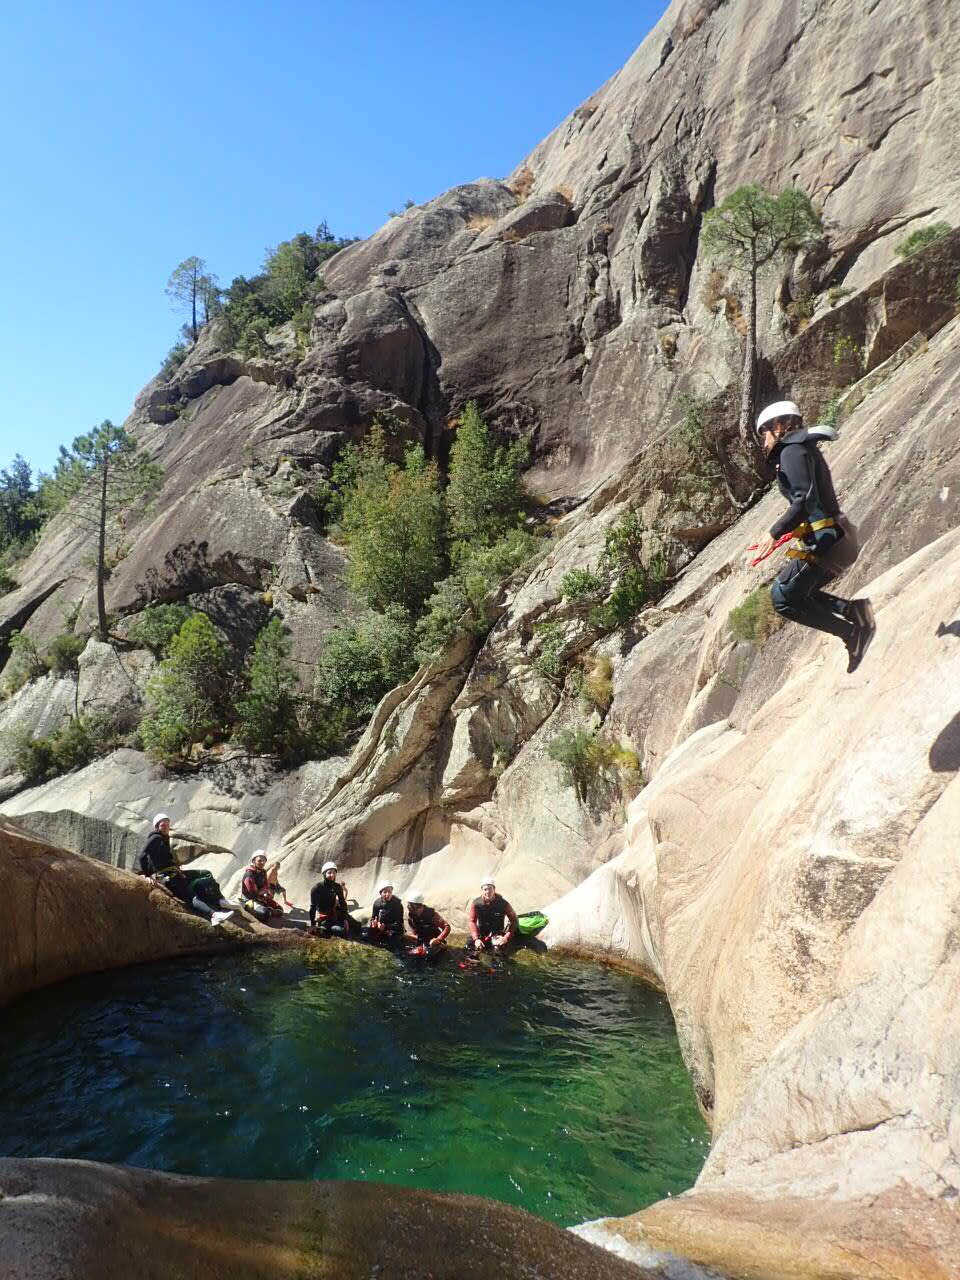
(68,914)
(74,1220)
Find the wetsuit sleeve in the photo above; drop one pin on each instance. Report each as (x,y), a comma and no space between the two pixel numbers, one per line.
(313,905)
(796,473)
(474,927)
(443,926)
(512,917)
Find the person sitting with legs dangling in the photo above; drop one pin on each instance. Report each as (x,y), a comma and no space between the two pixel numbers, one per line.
(196,889)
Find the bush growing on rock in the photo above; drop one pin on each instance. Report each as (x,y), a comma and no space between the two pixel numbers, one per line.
(267,719)
(157,625)
(392,521)
(580,584)
(187,695)
(64,652)
(595,766)
(484,496)
(288,282)
(72,746)
(25,665)
(755,620)
(923,236)
(363,661)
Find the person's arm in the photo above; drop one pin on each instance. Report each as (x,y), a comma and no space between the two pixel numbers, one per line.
(474,927)
(444,930)
(313,906)
(796,471)
(514,922)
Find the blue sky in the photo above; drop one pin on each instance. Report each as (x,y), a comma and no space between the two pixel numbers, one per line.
(136,135)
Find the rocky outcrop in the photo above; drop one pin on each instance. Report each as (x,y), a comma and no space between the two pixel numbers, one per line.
(68,914)
(782,874)
(787,878)
(63,1219)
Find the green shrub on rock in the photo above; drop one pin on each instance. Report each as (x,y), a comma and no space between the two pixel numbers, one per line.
(64,652)
(362,661)
(755,620)
(157,626)
(267,718)
(595,766)
(187,695)
(71,747)
(923,236)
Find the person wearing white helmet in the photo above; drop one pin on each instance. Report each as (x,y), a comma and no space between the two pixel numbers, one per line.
(386,917)
(328,905)
(257,894)
(825,542)
(428,929)
(196,889)
(488,917)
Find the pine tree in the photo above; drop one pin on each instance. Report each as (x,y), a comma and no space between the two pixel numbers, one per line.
(748,231)
(484,494)
(101,475)
(188,694)
(267,713)
(392,520)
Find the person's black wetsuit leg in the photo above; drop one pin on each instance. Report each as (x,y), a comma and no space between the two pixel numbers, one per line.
(797,593)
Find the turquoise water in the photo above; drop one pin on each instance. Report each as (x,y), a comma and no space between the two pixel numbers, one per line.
(552,1085)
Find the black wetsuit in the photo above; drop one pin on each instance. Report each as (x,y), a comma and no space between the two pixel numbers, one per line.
(158,860)
(805,481)
(427,924)
(389,912)
(490,918)
(328,900)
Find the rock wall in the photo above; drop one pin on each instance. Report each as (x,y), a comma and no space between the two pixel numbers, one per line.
(67,914)
(790,811)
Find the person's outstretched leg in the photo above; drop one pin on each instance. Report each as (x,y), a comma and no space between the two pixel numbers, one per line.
(797,594)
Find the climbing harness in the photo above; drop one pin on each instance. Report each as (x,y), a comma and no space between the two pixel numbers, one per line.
(803,530)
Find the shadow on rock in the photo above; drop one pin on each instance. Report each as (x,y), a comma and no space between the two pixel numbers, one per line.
(945,752)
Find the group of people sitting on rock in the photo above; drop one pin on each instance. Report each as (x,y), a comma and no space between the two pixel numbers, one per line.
(492,920)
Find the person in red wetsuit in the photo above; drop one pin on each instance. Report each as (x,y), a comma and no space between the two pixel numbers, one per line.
(488,917)
(257,895)
(428,929)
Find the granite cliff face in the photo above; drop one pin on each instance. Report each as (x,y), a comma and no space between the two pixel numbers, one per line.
(785,873)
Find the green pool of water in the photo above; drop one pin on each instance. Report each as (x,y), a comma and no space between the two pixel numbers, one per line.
(552,1085)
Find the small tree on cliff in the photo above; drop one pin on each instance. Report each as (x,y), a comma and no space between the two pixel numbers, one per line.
(484,495)
(392,520)
(267,711)
(748,231)
(192,287)
(103,474)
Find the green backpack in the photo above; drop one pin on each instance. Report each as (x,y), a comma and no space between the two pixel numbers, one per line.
(531,923)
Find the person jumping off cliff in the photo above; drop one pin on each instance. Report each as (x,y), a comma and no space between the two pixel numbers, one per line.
(196,889)
(826,541)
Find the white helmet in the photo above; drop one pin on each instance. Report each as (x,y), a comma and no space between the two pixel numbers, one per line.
(258,853)
(489,881)
(779,409)
(160,817)
(385,884)
(416,899)
(328,866)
